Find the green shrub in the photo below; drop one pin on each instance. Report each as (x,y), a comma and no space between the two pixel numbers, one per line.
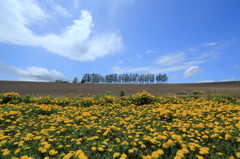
(87,101)
(142,98)
(220,99)
(45,100)
(182,93)
(109,99)
(195,92)
(122,93)
(26,99)
(108,93)
(9,98)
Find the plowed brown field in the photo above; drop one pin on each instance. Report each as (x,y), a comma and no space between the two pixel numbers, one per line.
(61,89)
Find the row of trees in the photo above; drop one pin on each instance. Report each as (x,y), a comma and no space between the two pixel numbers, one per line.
(122,78)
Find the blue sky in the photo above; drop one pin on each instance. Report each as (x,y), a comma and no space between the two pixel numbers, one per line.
(190,41)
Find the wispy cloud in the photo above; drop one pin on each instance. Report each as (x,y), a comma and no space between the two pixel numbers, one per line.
(193,49)
(170,59)
(120,62)
(231,79)
(120,70)
(150,52)
(174,76)
(182,60)
(191,71)
(76,4)
(117,10)
(211,54)
(236,66)
(224,44)
(210,44)
(32,73)
(155,69)
(210,50)
(205,81)
(139,56)
(59,10)
(76,42)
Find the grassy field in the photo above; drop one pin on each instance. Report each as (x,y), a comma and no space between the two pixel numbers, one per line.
(196,125)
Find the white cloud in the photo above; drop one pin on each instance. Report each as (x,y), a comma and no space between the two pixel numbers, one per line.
(16,15)
(139,56)
(224,44)
(191,71)
(231,79)
(29,79)
(150,52)
(76,42)
(236,66)
(118,8)
(193,49)
(174,76)
(120,70)
(179,61)
(59,10)
(205,81)
(210,44)
(76,4)
(170,59)
(32,73)
(212,54)
(211,49)
(156,70)
(120,62)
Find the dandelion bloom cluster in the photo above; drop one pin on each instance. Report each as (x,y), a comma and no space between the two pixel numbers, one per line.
(141,126)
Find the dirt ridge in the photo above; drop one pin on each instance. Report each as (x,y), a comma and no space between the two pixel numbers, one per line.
(61,89)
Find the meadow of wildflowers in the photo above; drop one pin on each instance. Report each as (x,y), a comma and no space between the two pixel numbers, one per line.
(103,127)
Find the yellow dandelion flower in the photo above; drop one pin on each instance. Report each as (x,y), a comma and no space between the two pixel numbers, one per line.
(155,155)
(123,156)
(231,157)
(67,146)
(131,150)
(53,152)
(204,150)
(199,157)
(170,142)
(160,152)
(67,156)
(42,149)
(6,152)
(24,157)
(17,151)
(238,154)
(166,145)
(100,149)
(227,136)
(147,157)
(219,153)
(180,153)
(116,154)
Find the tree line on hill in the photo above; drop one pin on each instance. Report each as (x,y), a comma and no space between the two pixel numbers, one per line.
(123,78)
(120,79)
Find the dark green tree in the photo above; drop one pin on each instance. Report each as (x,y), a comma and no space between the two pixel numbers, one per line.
(75,80)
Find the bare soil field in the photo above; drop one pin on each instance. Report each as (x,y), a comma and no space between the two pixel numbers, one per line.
(61,89)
